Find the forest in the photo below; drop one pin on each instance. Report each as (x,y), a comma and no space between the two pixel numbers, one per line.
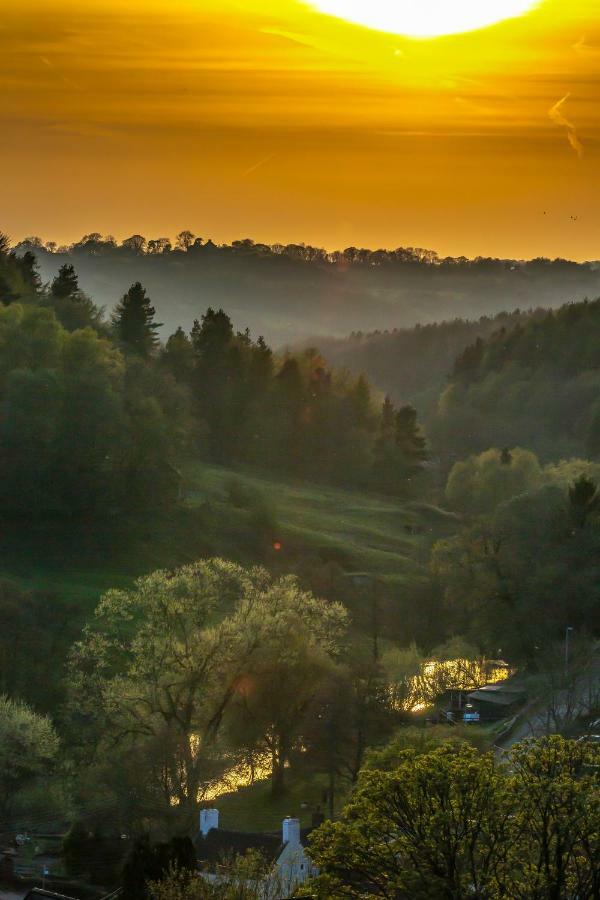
(191,517)
(289,292)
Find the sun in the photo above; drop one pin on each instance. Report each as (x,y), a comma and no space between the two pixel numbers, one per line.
(425,18)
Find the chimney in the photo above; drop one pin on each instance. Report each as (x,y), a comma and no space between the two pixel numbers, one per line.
(209,819)
(291,831)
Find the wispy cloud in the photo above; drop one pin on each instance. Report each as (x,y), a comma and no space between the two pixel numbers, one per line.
(587,51)
(258,165)
(558,117)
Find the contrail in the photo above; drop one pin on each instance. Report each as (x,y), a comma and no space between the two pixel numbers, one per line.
(258,165)
(558,117)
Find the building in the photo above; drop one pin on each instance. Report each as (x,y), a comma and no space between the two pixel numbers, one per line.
(285,850)
(496,701)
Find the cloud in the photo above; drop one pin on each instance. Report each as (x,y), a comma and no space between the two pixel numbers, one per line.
(582,48)
(258,165)
(558,117)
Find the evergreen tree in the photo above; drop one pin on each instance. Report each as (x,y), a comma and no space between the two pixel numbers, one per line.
(384,445)
(72,308)
(178,356)
(27,265)
(215,373)
(7,294)
(212,334)
(65,284)
(410,441)
(360,398)
(133,321)
(400,448)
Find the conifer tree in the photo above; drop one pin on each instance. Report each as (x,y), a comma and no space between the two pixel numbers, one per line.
(410,441)
(133,321)
(400,449)
(360,398)
(178,356)
(65,284)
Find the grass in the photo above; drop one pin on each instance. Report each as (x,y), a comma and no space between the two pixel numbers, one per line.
(363,532)
(360,533)
(254,809)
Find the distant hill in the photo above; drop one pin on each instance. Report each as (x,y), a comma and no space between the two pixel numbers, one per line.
(535,384)
(292,292)
(412,365)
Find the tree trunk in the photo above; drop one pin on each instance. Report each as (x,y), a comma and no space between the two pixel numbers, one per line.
(278,757)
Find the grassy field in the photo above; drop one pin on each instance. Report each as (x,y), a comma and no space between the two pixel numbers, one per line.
(364,533)
(361,533)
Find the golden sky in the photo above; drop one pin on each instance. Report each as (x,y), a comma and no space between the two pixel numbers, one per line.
(271,120)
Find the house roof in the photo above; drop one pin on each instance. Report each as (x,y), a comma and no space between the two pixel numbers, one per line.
(499,698)
(42,892)
(502,687)
(221,843)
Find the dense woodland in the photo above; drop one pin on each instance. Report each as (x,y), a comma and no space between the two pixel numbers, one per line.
(294,291)
(536,384)
(119,713)
(106,410)
(412,364)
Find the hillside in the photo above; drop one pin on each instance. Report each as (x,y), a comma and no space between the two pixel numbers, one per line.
(50,582)
(360,532)
(412,365)
(535,384)
(290,293)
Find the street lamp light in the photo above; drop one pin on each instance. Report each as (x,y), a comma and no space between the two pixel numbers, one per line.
(568,630)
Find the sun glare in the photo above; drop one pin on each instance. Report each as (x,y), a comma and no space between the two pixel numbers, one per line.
(425,18)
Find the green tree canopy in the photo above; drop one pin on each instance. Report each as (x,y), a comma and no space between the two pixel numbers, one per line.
(134,323)
(28,748)
(453,823)
(481,483)
(163,662)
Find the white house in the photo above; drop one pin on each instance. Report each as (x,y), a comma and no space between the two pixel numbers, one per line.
(291,864)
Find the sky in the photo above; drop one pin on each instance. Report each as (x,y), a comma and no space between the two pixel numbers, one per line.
(273,120)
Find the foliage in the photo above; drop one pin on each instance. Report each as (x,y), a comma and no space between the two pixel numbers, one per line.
(73,309)
(481,483)
(454,823)
(400,448)
(420,741)
(148,863)
(513,581)
(76,437)
(248,877)
(161,664)
(28,749)
(534,384)
(292,414)
(32,640)
(412,364)
(298,290)
(133,321)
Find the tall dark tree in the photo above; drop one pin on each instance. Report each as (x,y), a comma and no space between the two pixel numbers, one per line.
(133,321)
(360,398)
(71,306)
(178,356)
(400,449)
(410,441)
(27,265)
(584,500)
(65,284)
